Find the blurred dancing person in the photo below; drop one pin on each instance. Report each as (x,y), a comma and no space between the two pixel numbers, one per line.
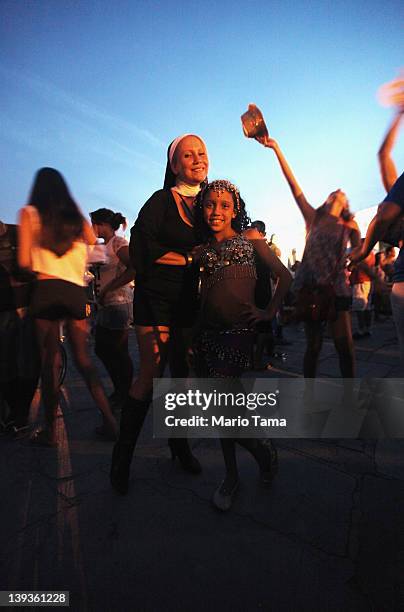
(329,230)
(53,238)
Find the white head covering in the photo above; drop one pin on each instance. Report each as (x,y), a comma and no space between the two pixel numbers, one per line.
(175,144)
(181,187)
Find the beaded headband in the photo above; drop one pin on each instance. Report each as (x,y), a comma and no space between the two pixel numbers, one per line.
(220,186)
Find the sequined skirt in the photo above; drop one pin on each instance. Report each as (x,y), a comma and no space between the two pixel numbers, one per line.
(224,353)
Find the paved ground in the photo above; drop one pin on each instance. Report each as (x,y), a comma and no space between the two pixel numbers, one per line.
(328,535)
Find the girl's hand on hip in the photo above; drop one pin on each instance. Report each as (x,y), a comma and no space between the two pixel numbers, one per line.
(254,316)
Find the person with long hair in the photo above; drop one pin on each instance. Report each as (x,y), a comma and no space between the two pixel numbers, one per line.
(165,301)
(329,230)
(115,303)
(226,329)
(53,239)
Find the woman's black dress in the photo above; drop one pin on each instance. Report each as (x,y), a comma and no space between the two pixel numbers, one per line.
(164,295)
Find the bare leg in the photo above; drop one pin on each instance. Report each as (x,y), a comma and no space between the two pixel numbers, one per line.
(229,454)
(48,342)
(263,341)
(111,347)
(180,343)
(360,315)
(153,350)
(342,335)
(368,320)
(314,338)
(78,335)
(264,454)
(224,495)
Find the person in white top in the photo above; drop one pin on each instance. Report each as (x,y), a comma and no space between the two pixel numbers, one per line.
(53,239)
(115,303)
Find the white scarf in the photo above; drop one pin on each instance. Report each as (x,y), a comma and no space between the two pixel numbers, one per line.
(186,190)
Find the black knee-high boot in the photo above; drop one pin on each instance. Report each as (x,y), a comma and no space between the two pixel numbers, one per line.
(180,448)
(133,415)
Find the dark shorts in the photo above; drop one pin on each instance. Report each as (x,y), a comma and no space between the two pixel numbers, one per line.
(55,299)
(115,316)
(151,308)
(343,303)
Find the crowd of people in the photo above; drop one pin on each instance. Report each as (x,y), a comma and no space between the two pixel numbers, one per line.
(207,283)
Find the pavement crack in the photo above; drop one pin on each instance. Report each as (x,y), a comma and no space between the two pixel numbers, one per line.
(353,537)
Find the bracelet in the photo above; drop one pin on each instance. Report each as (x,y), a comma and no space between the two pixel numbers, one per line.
(189,259)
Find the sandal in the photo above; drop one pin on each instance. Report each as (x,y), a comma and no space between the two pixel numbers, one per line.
(223,497)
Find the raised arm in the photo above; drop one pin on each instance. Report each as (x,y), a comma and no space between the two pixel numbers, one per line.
(306,209)
(387,166)
(392,206)
(387,213)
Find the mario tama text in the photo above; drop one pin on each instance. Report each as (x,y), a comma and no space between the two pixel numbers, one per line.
(224,411)
(221,421)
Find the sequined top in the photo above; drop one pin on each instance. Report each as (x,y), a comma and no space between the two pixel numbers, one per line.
(235,250)
(228,278)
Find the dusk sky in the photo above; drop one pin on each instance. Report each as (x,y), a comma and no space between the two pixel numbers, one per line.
(98,89)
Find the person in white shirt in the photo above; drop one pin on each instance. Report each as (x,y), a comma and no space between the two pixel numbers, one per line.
(53,238)
(115,303)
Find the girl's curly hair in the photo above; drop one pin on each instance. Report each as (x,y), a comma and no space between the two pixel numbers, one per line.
(239,223)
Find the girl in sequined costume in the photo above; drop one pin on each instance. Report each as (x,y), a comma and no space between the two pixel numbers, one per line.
(228,318)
